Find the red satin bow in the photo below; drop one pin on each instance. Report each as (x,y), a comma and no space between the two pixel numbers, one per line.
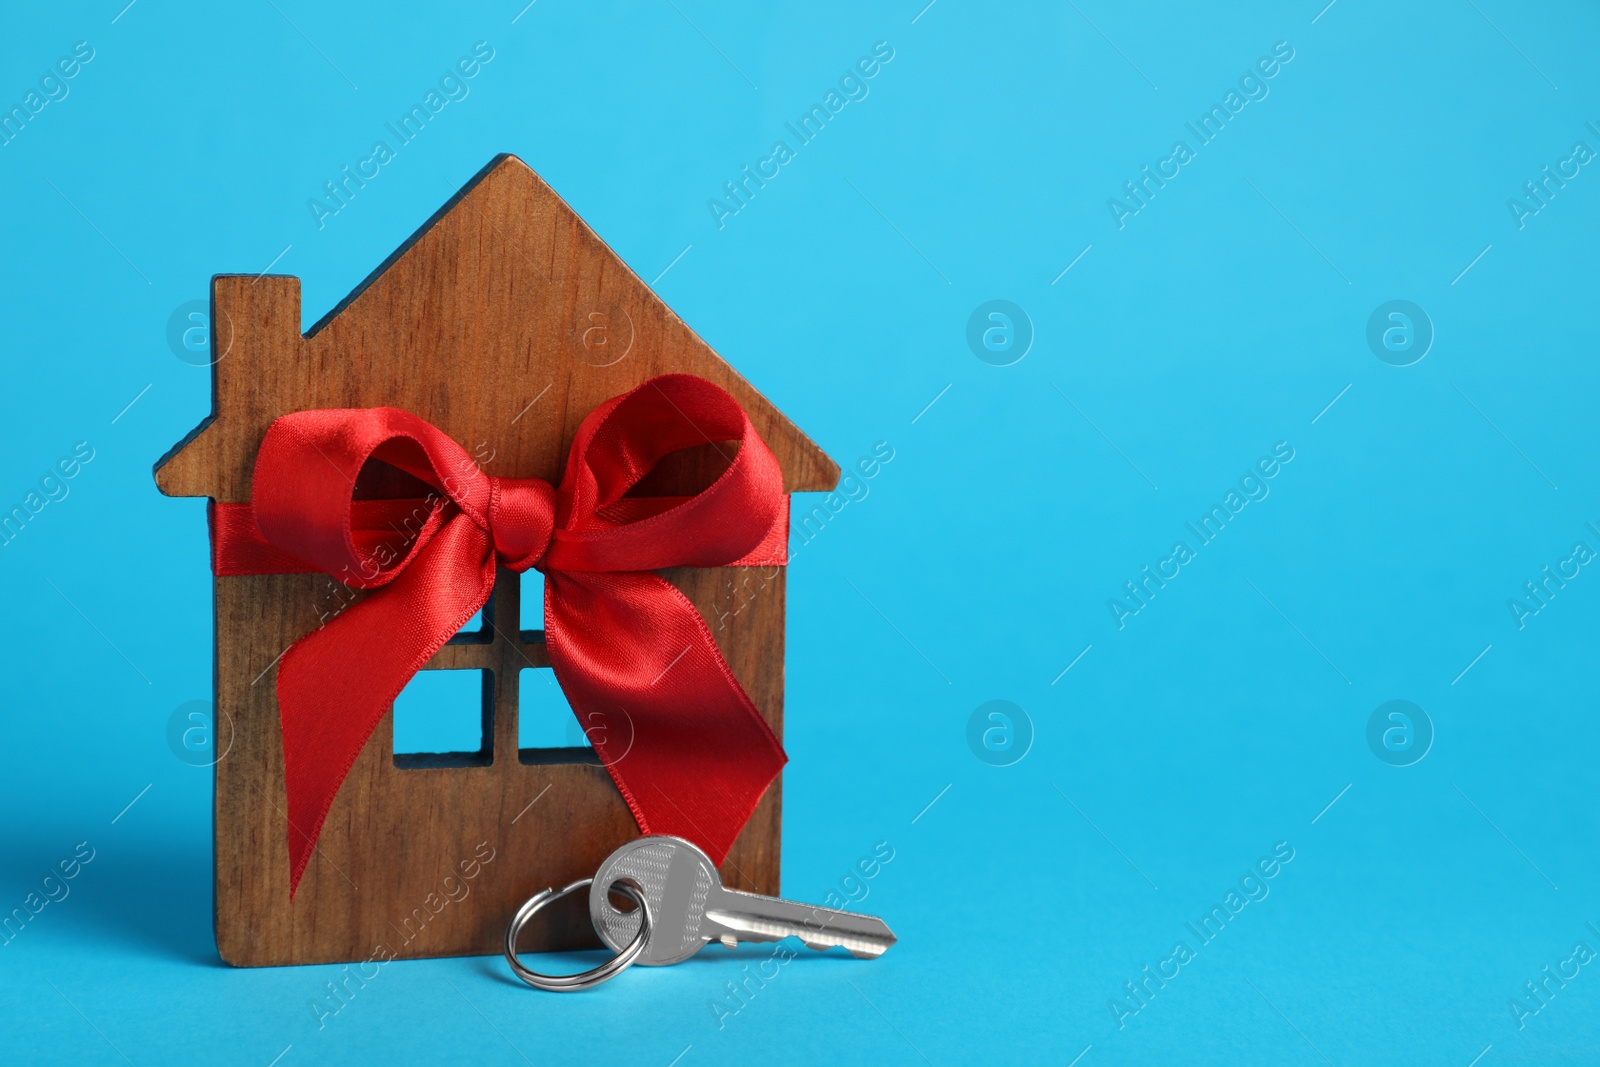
(619,637)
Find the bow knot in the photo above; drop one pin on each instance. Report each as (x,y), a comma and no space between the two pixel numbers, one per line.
(700,756)
(522,516)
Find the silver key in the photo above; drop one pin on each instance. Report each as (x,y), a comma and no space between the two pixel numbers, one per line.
(689,907)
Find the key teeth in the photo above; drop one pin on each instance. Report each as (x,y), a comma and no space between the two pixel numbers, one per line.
(858,951)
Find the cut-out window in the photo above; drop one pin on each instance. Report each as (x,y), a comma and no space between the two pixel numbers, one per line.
(444,719)
(547,730)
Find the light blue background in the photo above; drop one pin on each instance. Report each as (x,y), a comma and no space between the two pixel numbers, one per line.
(1225,317)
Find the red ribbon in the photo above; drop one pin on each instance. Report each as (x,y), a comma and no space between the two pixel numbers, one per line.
(619,637)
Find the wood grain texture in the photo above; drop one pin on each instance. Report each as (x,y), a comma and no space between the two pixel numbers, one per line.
(504,321)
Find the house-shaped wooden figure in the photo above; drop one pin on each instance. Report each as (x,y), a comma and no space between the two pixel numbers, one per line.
(503,321)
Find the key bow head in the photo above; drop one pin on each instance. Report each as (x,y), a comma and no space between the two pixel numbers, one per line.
(676,878)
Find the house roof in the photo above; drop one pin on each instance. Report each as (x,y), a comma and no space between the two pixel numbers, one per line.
(504,320)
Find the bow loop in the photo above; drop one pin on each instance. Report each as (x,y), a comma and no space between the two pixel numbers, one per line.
(602,529)
(303,491)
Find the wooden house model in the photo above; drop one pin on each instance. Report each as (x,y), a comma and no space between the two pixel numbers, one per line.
(503,321)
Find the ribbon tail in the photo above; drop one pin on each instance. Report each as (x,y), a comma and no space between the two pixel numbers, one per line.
(336,683)
(683,742)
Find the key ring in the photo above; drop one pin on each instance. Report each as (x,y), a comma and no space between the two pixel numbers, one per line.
(571,983)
